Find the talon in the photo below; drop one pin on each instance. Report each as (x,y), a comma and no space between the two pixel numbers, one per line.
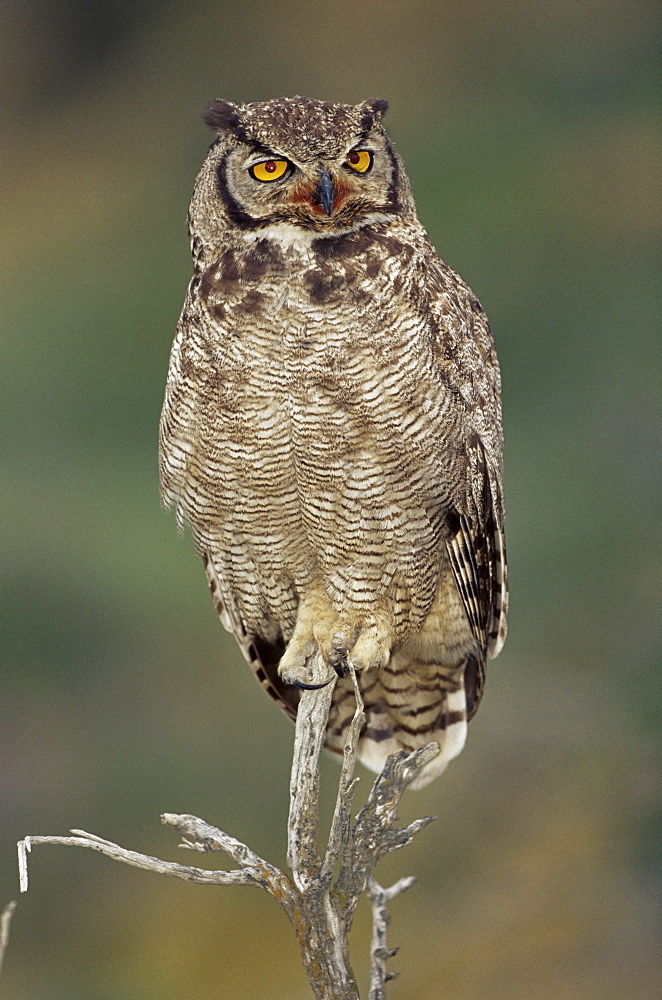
(341,668)
(311,687)
(339,643)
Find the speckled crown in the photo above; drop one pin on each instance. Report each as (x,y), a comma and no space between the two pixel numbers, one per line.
(307,128)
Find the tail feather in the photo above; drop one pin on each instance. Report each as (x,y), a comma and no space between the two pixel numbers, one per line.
(407,704)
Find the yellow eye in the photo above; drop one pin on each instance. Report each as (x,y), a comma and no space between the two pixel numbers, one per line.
(359,160)
(270,170)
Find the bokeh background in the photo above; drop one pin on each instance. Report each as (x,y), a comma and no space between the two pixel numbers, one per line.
(529,131)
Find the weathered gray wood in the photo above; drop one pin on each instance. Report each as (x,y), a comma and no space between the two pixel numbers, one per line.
(321,896)
(379,953)
(5,924)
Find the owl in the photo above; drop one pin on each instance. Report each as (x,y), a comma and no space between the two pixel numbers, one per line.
(331,429)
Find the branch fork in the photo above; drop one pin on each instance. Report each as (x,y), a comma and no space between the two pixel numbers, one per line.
(321,895)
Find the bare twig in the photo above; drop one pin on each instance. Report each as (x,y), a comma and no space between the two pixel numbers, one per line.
(374,833)
(302,850)
(379,953)
(320,909)
(246,877)
(317,918)
(5,924)
(341,823)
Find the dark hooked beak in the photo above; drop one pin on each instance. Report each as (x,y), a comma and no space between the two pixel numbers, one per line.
(325,192)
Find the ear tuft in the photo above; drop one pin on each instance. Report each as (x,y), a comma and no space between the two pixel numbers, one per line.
(222,116)
(373,111)
(379,106)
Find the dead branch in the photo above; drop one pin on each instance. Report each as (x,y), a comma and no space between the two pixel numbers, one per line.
(321,896)
(5,924)
(379,953)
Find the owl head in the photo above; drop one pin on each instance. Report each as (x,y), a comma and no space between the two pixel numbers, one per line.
(296,167)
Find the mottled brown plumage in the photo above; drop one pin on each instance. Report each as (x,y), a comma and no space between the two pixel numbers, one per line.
(332,427)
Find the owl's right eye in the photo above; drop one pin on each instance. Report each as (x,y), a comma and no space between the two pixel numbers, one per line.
(269,170)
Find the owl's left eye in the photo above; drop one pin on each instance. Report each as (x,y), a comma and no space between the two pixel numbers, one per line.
(359,160)
(269,170)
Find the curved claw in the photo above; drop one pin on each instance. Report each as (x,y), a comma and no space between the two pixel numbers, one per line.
(311,687)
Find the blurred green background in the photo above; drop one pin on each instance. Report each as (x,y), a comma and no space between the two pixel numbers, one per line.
(530,133)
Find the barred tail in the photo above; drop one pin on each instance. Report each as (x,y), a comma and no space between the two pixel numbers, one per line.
(407,704)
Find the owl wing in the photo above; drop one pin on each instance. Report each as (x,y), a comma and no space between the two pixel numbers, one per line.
(187,373)
(262,655)
(466,363)
(478,558)
(191,361)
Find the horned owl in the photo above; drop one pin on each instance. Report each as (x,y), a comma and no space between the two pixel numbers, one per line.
(331,429)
